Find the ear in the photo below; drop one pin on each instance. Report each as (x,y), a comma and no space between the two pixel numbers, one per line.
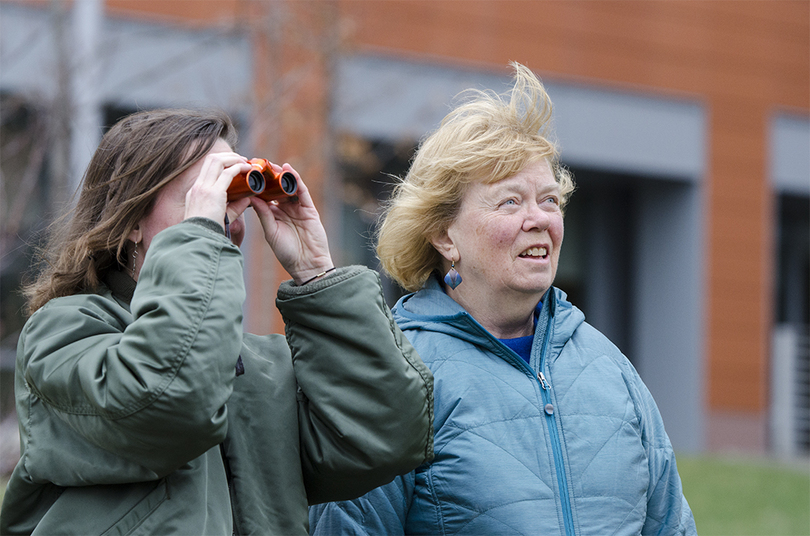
(445,246)
(136,235)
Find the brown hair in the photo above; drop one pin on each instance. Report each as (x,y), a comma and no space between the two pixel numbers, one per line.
(488,138)
(137,157)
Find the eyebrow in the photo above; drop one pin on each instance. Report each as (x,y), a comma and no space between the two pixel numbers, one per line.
(501,188)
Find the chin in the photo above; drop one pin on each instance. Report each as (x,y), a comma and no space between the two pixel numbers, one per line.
(539,289)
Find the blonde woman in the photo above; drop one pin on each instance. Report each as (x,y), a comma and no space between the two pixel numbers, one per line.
(541,425)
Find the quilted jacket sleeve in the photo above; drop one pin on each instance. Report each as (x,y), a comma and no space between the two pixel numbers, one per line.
(381,511)
(365,396)
(150,388)
(668,513)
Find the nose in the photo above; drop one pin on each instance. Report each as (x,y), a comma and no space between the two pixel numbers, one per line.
(536,218)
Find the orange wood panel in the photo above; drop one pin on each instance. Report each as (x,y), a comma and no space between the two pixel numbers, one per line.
(737,319)
(739,256)
(739,391)
(184,11)
(633,42)
(732,261)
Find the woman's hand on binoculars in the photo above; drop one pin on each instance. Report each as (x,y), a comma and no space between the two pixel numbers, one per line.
(293,229)
(207,197)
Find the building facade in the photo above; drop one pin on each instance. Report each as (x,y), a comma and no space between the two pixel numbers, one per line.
(686,124)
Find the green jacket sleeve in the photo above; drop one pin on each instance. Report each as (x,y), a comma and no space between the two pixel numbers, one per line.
(151,388)
(365,396)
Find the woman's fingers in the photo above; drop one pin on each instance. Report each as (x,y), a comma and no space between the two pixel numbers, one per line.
(207,196)
(236,208)
(294,231)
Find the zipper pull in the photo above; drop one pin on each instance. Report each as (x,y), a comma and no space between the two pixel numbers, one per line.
(543,382)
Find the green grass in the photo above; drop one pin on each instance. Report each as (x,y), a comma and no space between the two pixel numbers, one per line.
(747,497)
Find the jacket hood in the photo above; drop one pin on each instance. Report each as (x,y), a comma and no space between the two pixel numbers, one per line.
(430,309)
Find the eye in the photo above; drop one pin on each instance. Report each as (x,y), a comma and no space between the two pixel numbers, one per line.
(553,200)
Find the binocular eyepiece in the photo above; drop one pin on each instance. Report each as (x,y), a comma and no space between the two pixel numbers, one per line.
(262,182)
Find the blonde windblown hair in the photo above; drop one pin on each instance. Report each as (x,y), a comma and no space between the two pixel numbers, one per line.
(488,137)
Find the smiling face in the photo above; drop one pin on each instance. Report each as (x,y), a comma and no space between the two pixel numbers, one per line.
(506,239)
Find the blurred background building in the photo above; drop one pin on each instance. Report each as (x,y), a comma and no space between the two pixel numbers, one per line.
(686,124)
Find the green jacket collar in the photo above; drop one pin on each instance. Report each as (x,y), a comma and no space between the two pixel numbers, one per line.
(120,284)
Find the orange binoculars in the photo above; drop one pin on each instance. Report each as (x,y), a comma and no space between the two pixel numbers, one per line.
(262,182)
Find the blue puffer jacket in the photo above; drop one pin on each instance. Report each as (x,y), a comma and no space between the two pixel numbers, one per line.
(573,444)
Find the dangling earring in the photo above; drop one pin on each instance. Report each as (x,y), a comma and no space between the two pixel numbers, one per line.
(134,256)
(453,278)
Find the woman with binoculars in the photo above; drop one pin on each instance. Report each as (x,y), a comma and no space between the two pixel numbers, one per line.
(144,408)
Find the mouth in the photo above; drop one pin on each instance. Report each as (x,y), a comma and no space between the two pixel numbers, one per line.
(535,252)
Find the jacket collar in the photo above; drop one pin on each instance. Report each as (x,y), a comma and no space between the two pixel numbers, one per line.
(430,309)
(432,301)
(120,284)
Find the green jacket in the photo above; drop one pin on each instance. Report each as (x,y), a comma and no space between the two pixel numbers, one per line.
(134,420)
